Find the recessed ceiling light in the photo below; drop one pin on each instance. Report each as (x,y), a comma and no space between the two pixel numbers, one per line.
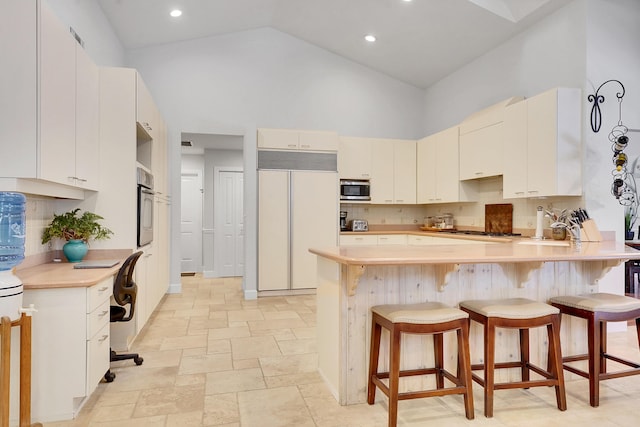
(175,13)
(370,38)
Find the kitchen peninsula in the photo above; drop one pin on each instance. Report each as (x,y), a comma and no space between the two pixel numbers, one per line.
(352,279)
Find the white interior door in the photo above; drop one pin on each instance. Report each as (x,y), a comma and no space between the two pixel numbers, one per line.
(230,226)
(191,222)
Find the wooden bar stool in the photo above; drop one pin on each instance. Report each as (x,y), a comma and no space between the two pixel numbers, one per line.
(426,318)
(522,314)
(598,309)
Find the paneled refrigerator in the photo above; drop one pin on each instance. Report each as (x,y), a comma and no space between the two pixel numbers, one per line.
(297,209)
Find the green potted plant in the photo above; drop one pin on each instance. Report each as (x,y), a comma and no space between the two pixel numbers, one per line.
(77,230)
(628,224)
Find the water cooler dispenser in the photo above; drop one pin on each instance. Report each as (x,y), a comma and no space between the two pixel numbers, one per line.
(12,237)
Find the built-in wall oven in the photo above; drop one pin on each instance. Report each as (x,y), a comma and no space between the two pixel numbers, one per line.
(145,207)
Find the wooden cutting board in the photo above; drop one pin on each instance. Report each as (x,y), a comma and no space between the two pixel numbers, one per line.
(498,218)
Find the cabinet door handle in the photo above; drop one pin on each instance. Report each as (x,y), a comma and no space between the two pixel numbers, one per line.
(102,289)
(81,179)
(479,173)
(305,146)
(104,337)
(292,145)
(103,313)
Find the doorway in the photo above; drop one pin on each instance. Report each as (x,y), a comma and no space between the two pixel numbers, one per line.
(220,160)
(191,221)
(229,222)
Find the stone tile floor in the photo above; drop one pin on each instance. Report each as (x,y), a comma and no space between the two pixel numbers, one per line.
(213,359)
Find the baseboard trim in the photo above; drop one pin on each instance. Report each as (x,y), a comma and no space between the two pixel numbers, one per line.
(175,288)
(250,294)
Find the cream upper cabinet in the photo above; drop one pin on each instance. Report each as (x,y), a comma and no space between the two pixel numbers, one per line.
(393,171)
(145,108)
(354,158)
(547,127)
(289,139)
(87,120)
(57,100)
(437,171)
(49,105)
(481,152)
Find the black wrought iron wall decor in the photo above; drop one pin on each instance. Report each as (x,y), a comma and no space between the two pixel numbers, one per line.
(596,99)
(624,184)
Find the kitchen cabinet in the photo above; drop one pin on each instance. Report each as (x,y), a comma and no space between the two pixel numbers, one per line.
(361,239)
(544,154)
(289,139)
(49,106)
(392,239)
(146,116)
(70,344)
(296,210)
(354,158)
(481,152)
(481,142)
(438,172)
(393,171)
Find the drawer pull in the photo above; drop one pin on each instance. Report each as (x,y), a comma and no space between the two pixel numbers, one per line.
(102,289)
(104,337)
(103,313)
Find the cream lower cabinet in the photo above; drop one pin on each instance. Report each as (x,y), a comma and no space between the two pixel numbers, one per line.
(393,171)
(544,155)
(297,210)
(70,347)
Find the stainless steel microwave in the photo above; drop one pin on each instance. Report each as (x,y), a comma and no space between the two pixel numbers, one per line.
(355,190)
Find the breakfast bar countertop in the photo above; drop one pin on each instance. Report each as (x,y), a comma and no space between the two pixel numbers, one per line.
(515,251)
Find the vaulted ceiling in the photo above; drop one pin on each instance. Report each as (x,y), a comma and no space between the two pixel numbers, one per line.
(418,42)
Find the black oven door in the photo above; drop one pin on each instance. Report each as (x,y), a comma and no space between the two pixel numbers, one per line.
(145,216)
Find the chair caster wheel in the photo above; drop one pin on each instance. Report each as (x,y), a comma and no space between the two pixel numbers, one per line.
(138,360)
(109,376)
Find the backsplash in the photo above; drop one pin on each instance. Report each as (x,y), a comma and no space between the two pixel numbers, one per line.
(466,215)
(38,212)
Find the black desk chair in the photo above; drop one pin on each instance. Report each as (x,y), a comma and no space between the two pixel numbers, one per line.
(124,293)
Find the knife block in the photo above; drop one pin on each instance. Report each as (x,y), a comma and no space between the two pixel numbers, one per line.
(589,231)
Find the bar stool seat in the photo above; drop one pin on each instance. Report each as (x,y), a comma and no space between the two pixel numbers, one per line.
(523,314)
(598,309)
(432,318)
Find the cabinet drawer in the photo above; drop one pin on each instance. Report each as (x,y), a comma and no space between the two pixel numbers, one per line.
(370,239)
(99,293)
(392,239)
(98,318)
(98,358)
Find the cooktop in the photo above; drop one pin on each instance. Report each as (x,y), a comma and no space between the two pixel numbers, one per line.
(484,233)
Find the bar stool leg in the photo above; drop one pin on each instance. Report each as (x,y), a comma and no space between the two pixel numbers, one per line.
(524,354)
(555,361)
(464,368)
(603,346)
(394,375)
(593,341)
(489,366)
(438,349)
(638,330)
(376,332)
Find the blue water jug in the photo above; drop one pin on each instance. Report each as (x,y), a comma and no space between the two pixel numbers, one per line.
(12,229)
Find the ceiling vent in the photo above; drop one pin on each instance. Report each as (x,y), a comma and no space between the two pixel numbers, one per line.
(186,144)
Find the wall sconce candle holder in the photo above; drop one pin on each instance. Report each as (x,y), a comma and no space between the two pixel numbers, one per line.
(623,187)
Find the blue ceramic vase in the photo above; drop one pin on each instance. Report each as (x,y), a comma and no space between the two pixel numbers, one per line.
(75,250)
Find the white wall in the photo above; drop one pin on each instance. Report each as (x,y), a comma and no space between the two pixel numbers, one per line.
(234,83)
(550,53)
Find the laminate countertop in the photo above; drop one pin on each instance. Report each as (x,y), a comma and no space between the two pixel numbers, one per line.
(514,251)
(49,275)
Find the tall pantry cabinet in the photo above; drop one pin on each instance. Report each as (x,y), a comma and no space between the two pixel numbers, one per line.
(297,210)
